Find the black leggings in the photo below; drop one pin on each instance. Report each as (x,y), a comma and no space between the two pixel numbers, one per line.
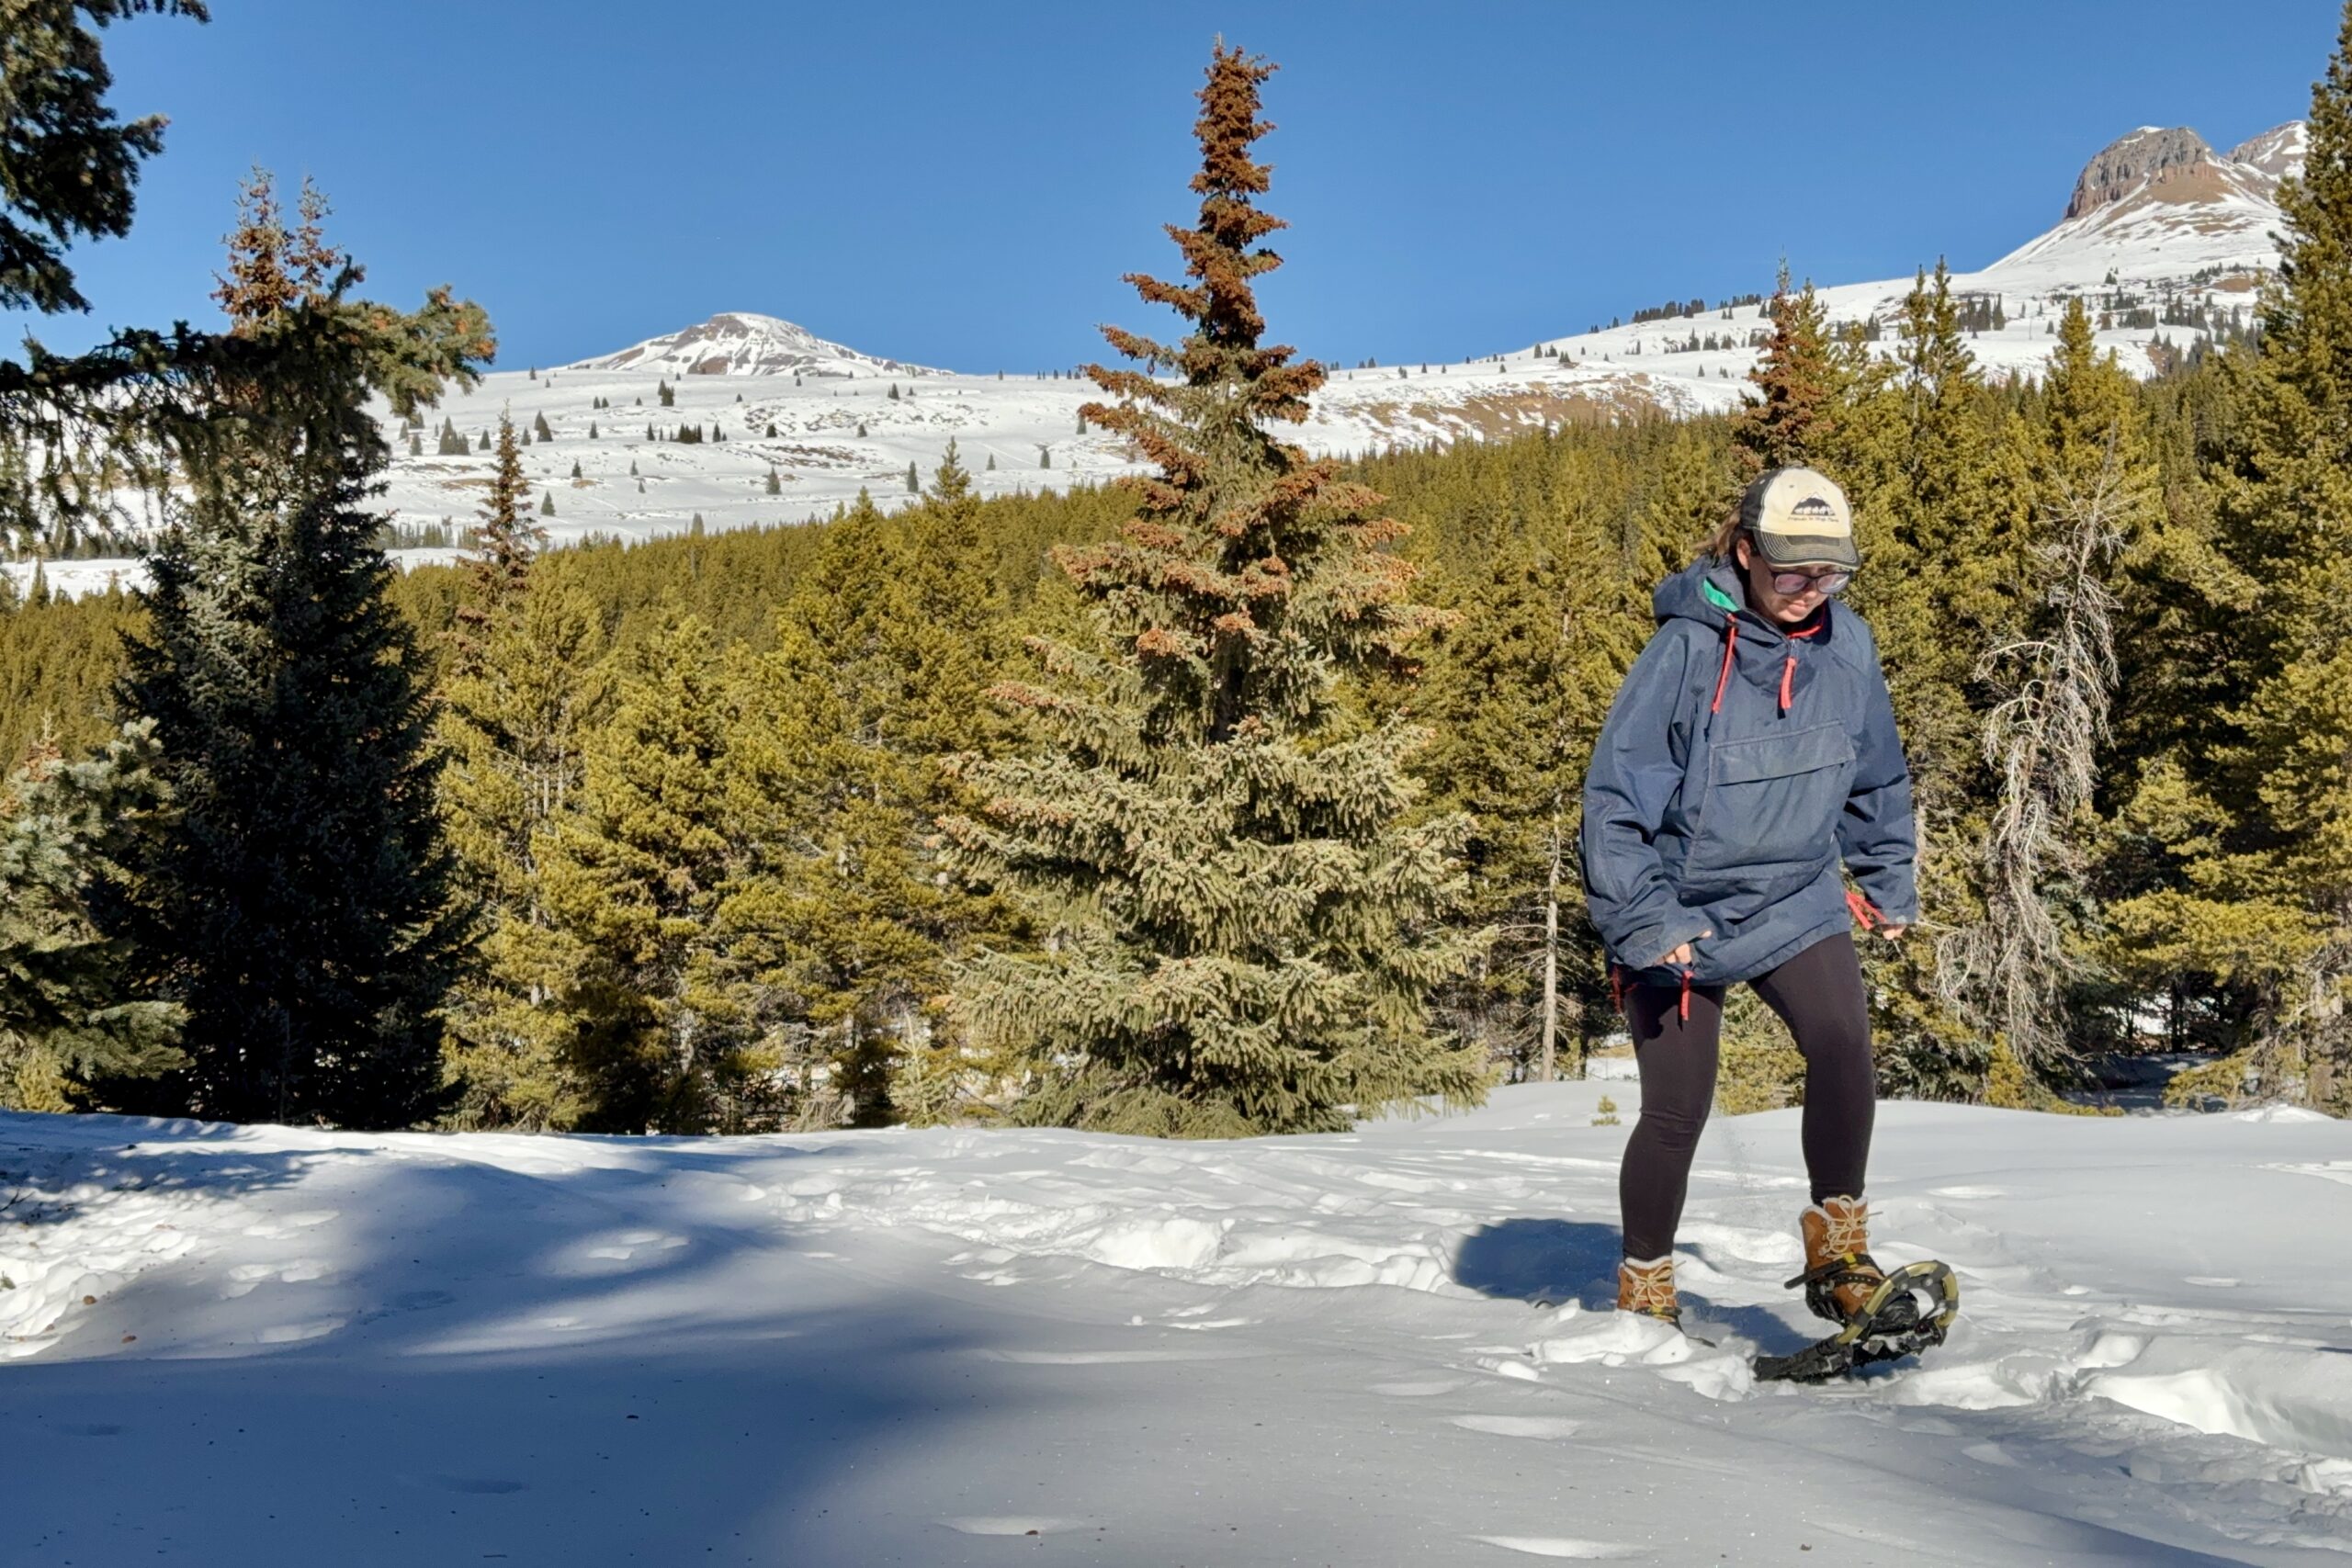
(1818,993)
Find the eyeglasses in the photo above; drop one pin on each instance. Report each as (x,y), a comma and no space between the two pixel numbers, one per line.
(1793,583)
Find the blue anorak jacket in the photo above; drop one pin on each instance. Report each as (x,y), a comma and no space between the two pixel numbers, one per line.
(1739,764)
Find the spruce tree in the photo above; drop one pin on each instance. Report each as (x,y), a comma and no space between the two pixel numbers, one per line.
(1244,937)
(2022,970)
(70,1004)
(840,925)
(73,166)
(514,725)
(633,878)
(539,427)
(297,903)
(505,540)
(1798,387)
(2270,899)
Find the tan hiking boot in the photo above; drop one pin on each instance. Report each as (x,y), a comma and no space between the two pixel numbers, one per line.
(1839,1272)
(1648,1287)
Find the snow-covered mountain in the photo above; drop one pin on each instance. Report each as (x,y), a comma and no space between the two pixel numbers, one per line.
(2165,237)
(741,343)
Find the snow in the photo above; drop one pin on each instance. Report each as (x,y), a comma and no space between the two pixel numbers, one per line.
(260,1344)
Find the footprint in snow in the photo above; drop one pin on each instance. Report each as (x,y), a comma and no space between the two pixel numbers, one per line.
(1107,1357)
(1563,1546)
(1423,1388)
(294,1333)
(1015,1524)
(1518,1426)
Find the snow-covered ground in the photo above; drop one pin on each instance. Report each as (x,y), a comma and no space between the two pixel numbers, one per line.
(255,1345)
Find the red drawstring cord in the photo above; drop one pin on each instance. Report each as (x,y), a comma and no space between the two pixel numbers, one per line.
(1865,913)
(1617,991)
(1788,667)
(1731,639)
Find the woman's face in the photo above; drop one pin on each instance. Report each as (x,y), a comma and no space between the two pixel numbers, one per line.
(1786,609)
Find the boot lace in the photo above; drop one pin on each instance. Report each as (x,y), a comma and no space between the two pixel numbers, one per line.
(1651,1290)
(1848,1227)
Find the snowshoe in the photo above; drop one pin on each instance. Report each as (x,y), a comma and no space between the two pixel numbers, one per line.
(1911,1311)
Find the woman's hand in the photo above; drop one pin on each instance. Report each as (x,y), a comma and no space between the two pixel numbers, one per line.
(1681,958)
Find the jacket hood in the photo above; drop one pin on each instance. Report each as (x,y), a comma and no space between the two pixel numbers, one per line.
(1710,593)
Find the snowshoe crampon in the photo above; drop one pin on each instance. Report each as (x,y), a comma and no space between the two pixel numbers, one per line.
(1910,1311)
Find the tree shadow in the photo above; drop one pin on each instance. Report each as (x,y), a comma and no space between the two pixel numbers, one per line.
(1551,1262)
(55,1165)
(472,1355)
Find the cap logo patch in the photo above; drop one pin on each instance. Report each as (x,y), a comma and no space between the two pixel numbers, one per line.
(1814,507)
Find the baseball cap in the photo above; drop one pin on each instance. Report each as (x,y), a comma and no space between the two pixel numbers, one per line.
(1799,517)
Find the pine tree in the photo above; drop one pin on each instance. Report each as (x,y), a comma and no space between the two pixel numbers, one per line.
(667,395)
(1936,468)
(539,427)
(2270,900)
(514,725)
(2020,970)
(506,541)
(633,878)
(1798,387)
(450,444)
(776,482)
(575,468)
(74,167)
(297,902)
(592,430)
(547,503)
(1515,694)
(915,481)
(482,442)
(69,1001)
(1244,937)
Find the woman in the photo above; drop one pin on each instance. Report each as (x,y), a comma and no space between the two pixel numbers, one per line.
(1751,748)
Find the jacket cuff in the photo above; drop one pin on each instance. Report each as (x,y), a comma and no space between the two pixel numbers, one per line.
(1647,948)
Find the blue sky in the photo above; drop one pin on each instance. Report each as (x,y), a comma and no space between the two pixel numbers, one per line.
(963,184)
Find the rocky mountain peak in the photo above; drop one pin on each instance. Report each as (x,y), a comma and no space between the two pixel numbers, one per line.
(2278,152)
(2150,156)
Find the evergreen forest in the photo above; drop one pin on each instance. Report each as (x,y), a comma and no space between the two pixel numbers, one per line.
(1239,798)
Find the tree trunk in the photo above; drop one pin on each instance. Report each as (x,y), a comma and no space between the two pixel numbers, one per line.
(1547,1067)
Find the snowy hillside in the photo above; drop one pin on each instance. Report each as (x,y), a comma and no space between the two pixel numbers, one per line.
(941,1347)
(2162,235)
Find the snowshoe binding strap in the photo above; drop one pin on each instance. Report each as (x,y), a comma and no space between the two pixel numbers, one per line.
(1822,1281)
(1911,1311)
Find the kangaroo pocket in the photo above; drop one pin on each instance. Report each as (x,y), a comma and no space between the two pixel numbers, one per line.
(1769,819)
